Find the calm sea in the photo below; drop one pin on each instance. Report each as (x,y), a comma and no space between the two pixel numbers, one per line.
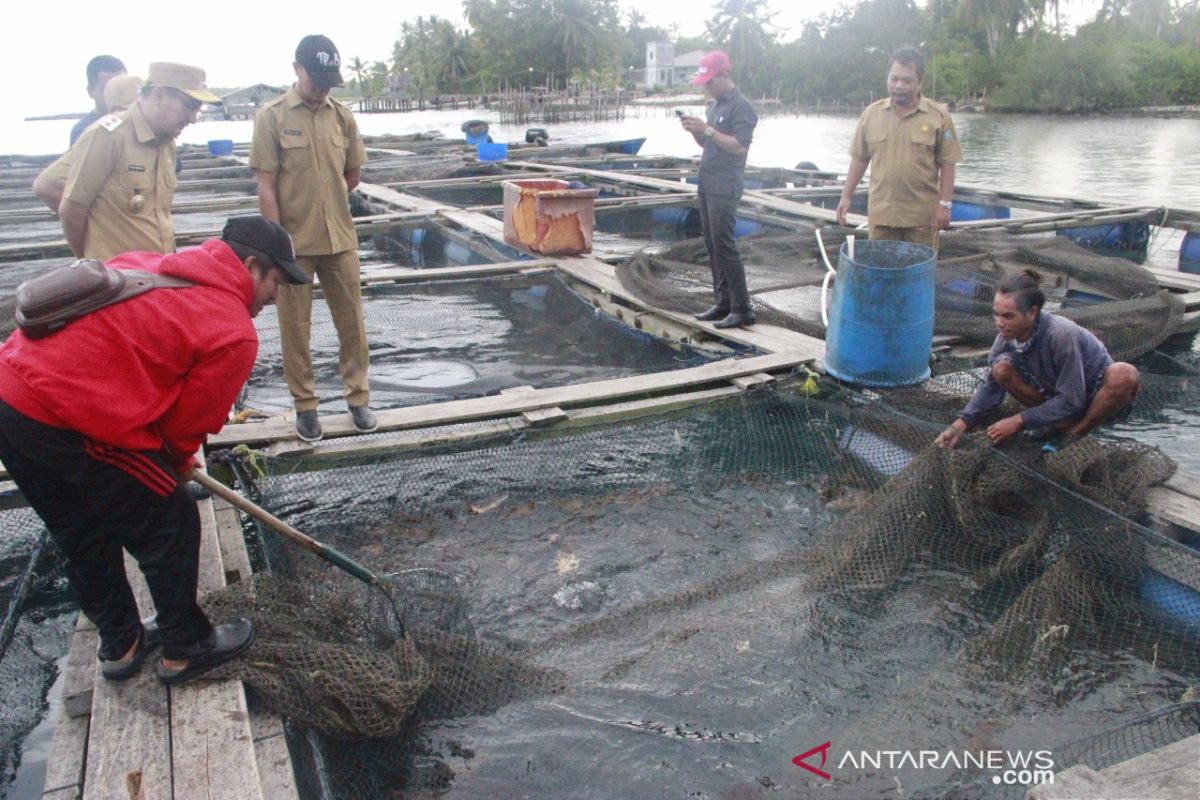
(1128,160)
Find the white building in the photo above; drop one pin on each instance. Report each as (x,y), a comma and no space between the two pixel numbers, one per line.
(664,68)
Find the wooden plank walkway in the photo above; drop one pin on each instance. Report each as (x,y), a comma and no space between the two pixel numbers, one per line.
(143,741)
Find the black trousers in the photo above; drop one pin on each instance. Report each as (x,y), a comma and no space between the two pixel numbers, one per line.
(717,214)
(98,500)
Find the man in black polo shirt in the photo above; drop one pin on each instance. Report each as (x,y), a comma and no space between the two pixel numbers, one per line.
(725,137)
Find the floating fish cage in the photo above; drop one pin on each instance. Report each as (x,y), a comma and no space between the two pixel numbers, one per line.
(683,600)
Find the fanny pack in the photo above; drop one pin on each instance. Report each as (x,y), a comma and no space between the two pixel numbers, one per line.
(47,303)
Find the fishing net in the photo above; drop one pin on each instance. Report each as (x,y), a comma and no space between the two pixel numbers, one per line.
(685,601)
(784,273)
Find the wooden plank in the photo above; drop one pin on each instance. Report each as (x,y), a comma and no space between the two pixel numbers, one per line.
(235,561)
(517,390)
(65,764)
(544,416)
(279,428)
(409,275)
(129,746)
(1171,772)
(211,744)
(1171,506)
(81,672)
(751,381)
(1186,484)
(278,779)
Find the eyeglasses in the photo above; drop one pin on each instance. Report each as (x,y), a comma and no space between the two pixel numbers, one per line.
(190,103)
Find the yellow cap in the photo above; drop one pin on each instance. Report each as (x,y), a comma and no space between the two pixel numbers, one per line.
(187,79)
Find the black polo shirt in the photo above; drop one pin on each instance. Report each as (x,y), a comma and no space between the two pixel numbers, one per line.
(721,172)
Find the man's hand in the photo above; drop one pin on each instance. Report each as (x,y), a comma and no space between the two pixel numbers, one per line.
(843,208)
(951,436)
(693,125)
(1005,428)
(941,218)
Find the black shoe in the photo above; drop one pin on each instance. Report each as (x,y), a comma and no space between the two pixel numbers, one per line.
(308,426)
(735,320)
(224,643)
(716,312)
(122,669)
(364,418)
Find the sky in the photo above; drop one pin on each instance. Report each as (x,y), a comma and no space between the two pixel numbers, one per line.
(241,42)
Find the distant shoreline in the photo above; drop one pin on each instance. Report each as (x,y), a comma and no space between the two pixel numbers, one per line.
(1165,112)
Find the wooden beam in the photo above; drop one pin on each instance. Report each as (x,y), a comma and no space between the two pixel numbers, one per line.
(482,408)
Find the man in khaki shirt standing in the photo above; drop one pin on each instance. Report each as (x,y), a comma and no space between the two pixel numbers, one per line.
(307,156)
(912,147)
(121,181)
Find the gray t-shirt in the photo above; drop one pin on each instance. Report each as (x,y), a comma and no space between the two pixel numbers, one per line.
(1065,361)
(721,172)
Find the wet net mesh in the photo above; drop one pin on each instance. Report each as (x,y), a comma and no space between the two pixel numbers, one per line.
(784,273)
(685,602)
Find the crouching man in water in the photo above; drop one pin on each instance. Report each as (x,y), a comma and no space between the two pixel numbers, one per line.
(100,420)
(1060,372)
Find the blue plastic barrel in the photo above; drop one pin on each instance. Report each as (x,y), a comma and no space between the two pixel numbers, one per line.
(881,318)
(1189,253)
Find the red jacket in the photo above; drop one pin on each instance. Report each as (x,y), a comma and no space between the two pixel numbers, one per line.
(158,371)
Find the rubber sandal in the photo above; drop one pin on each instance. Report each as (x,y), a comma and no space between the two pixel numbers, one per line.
(224,643)
(122,669)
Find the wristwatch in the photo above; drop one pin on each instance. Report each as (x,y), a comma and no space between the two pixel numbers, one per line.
(945,203)
(709,131)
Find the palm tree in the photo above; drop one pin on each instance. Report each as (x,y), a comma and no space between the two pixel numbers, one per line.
(743,29)
(474,11)
(575,30)
(359,70)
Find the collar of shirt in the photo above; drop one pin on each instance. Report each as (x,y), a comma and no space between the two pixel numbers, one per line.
(1025,346)
(922,105)
(727,95)
(293,99)
(141,128)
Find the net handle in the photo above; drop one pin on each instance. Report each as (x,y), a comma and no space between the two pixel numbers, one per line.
(236,500)
(830,273)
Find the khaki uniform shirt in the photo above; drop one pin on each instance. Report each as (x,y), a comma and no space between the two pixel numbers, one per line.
(125,175)
(906,154)
(310,152)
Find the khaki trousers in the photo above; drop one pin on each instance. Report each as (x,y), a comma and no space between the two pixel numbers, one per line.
(338,274)
(927,235)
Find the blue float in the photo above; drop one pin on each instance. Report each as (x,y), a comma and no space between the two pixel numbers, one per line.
(1119,238)
(881,318)
(1172,600)
(970,212)
(1189,253)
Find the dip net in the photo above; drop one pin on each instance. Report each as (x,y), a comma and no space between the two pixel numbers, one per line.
(683,601)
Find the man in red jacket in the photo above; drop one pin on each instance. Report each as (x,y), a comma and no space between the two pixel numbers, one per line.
(100,420)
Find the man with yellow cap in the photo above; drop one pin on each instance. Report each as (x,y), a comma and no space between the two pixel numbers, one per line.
(122,180)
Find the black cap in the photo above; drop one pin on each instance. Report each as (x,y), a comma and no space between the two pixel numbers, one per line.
(318,55)
(260,234)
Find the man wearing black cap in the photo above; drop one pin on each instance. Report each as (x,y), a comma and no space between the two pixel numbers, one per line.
(100,422)
(307,155)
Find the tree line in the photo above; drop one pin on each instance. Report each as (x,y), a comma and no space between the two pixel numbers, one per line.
(1009,54)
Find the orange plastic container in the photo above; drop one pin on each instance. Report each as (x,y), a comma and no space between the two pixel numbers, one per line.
(549,217)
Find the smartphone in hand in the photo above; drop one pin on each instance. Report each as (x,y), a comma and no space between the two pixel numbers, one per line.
(679,113)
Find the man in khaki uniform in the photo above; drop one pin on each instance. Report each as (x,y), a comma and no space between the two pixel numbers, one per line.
(120,92)
(912,147)
(122,180)
(307,155)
